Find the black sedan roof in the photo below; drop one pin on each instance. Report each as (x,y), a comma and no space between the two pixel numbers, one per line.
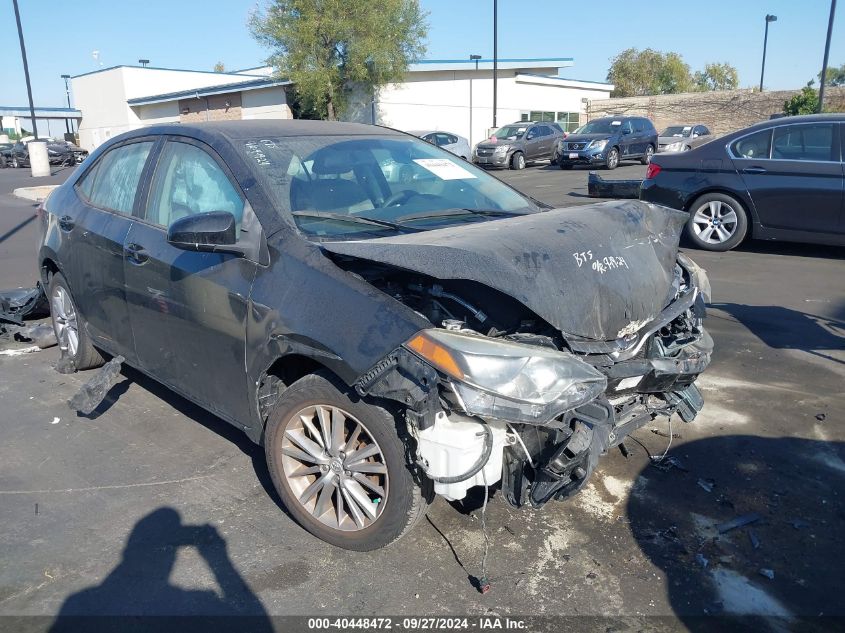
(237,130)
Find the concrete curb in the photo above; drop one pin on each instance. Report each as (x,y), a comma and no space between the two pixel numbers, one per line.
(36,194)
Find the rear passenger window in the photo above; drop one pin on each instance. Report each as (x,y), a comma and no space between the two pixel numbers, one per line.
(188,181)
(755,145)
(812,142)
(638,125)
(113,181)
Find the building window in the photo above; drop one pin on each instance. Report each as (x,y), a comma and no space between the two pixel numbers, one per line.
(569,121)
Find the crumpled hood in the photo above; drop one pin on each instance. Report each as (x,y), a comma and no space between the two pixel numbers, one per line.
(598,271)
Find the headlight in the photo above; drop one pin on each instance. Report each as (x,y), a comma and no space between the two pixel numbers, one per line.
(598,144)
(674,147)
(506,380)
(502,149)
(698,276)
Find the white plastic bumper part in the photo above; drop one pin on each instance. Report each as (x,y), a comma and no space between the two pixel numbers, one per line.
(453,445)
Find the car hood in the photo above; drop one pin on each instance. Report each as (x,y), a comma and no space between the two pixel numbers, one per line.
(583,138)
(596,271)
(490,145)
(672,139)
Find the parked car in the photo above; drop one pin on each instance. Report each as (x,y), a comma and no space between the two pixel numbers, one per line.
(384,342)
(777,180)
(682,138)
(58,153)
(608,141)
(519,144)
(5,154)
(458,145)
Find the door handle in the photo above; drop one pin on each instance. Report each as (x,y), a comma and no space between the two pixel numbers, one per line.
(753,170)
(136,253)
(66,223)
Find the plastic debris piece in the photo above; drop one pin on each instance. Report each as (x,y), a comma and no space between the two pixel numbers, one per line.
(702,560)
(768,573)
(598,187)
(20,302)
(484,585)
(755,540)
(662,433)
(820,417)
(669,463)
(739,521)
(706,484)
(42,334)
(94,391)
(56,420)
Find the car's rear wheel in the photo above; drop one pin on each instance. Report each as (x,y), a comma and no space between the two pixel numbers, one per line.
(69,326)
(518,161)
(649,154)
(15,162)
(339,465)
(613,158)
(717,222)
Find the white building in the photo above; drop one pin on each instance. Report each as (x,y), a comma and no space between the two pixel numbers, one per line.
(448,95)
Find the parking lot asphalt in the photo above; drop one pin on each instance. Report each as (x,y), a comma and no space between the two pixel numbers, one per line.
(119,502)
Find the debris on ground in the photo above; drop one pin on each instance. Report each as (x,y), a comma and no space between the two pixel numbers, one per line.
(799,524)
(598,187)
(661,433)
(94,391)
(706,484)
(18,303)
(56,420)
(768,573)
(42,334)
(820,417)
(737,522)
(65,365)
(755,540)
(702,560)
(20,351)
(669,463)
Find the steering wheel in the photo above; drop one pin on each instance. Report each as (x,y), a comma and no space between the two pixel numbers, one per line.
(400,197)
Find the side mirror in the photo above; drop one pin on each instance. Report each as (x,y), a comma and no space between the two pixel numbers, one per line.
(624,131)
(212,231)
(530,136)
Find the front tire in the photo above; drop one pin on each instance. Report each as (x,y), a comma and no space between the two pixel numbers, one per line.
(69,326)
(339,465)
(717,222)
(518,161)
(612,158)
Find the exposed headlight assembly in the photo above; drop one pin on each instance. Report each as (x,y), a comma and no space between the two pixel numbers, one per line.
(502,149)
(506,380)
(674,147)
(599,145)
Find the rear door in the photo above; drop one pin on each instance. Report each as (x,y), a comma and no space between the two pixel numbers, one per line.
(793,174)
(532,142)
(627,141)
(188,309)
(108,193)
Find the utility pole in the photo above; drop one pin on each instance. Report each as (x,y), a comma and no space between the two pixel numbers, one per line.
(495,56)
(826,53)
(769,18)
(67,94)
(474,58)
(26,70)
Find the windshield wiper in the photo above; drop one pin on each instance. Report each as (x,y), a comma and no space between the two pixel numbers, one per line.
(352,219)
(445,213)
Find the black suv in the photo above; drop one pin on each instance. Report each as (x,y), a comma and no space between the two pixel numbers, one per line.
(517,144)
(608,141)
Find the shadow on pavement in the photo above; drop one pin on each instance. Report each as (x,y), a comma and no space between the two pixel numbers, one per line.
(785,566)
(140,584)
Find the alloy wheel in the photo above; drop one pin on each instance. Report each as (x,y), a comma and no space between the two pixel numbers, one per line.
(649,154)
(714,222)
(612,159)
(65,321)
(334,467)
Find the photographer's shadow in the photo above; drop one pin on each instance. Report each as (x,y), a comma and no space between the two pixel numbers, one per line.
(140,584)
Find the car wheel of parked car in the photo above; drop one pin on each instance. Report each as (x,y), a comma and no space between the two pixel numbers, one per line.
(15,163)
(717,222)
(613,158)
(649,154)
(69,326)
(518,160)
(339,465)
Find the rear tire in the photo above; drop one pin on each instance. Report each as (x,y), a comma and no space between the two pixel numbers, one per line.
(649,154)
(717,222)
(69,326)
(398,501)
(518,160)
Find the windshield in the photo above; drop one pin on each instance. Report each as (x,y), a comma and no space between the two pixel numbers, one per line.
(342,187)
(600,126)
(681,131)
(510,132)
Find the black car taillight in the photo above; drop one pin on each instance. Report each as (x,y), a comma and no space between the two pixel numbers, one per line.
(652,171)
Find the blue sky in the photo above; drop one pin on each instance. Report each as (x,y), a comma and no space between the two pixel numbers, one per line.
(61,36)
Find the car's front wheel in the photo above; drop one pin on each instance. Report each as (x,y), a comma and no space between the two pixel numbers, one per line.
(518,161)
(613,158)
(717,222)
(339,465)
(69,326)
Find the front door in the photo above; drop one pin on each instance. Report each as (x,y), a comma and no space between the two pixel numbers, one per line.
(188,309)
(798,185)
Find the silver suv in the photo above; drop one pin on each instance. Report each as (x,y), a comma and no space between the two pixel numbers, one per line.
(517,144)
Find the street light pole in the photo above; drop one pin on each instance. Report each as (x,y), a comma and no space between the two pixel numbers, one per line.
(26,70)
(474,58)
(769,18)
(826,53)
(67,94)
(495,56)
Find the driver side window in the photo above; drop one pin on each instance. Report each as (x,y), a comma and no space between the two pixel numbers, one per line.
(188,181)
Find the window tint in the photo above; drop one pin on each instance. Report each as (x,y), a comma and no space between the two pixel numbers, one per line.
(755,145)
(452,139)
(704,130)
(638,125)
(188,181)
(113,182)
(803,142)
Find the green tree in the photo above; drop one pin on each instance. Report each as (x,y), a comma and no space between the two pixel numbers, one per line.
(648,72)
(805,102)
(835,76)
(219,67)
(328,48)
(716,76)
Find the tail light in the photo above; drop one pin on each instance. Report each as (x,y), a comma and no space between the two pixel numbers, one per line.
(652,171)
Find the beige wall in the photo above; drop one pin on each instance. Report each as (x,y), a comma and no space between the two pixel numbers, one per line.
(722,112)
(225,107)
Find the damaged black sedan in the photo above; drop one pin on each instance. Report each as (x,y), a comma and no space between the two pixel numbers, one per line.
(384,339)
